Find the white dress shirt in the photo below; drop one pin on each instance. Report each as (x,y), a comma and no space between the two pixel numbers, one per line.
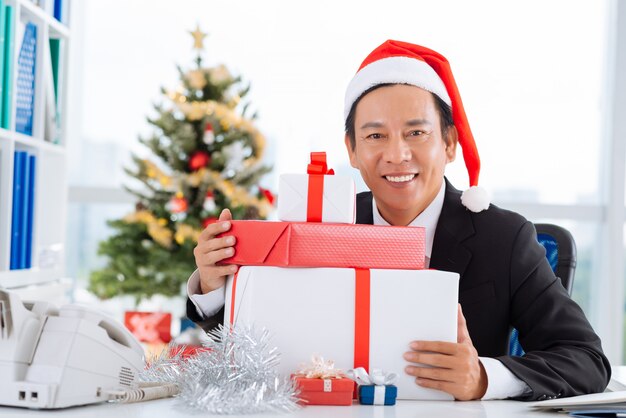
(502,383)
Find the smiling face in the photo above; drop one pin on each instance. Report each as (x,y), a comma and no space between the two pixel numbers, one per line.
(399,149)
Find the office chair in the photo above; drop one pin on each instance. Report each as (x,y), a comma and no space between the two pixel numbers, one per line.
(561,254)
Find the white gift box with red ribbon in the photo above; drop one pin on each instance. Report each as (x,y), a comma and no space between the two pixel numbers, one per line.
(357,317)
(318,196)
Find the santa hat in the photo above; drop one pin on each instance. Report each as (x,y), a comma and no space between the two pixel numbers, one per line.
(398,62)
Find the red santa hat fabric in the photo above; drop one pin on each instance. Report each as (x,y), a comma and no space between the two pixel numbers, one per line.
(399,62)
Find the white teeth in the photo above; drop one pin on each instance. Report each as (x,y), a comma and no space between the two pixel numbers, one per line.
(400,179)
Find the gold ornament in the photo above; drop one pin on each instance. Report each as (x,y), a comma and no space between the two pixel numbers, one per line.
(156,228)
(165,181)
(184,231)
(220,74)
(196,79)
(161,235)
(194,179)
(198,38)
(141,216)
(194,110)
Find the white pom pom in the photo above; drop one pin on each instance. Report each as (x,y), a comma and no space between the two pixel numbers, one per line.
(475,199)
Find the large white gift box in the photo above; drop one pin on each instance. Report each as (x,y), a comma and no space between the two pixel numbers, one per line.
(356,317)
(337,198)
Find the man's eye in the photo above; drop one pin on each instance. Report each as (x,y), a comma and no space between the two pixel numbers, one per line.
(374,136)
(416,133)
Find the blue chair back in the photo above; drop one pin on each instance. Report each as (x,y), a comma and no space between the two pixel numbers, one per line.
(561,254)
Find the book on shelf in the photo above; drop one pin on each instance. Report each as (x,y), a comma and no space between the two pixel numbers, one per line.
(16,219)
(51,117)
(7,80)
(30,211)
(60,11)
(25,85)
(2,36)
(23,210)
(55,54)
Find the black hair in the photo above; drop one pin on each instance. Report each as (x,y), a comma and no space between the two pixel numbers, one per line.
(445,115)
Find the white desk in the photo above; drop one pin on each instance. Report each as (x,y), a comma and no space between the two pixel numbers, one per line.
(414,409)
(170,409)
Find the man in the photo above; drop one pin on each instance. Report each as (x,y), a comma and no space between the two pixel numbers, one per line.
(404,119)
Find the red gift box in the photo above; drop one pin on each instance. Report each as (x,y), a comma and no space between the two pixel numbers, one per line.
(301,244)
(324,391)
(149,327)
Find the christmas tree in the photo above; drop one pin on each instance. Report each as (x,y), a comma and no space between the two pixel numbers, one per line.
(208,155)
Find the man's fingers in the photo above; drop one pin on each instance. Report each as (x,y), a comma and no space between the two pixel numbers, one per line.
(214,229)
(213,244)
(441,347)
(219,271)
(226,215)
(433,373)
(431,359)
(214,257)
(444,386)
(462,332)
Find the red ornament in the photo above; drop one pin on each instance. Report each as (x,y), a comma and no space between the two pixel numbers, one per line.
(178,204)
(268,195)
(208,221)
(198,160)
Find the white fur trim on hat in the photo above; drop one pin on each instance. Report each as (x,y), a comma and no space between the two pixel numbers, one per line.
(397,70)
(475,199)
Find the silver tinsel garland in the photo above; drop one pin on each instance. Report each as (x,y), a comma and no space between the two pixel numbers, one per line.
(235,374)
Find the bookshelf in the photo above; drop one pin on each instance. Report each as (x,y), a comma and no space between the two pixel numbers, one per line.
(33,123)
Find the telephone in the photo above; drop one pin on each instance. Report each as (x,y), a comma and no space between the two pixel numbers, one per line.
(55,358)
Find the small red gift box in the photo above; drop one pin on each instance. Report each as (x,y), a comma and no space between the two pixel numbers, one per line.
(149,327)
(187,351)
(302,244)
(325,391)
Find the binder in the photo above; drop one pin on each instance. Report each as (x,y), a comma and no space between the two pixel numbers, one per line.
(18,200)
(58,10)
(7,82)
(2,37)
(24,211)
(31,211)
(25,86)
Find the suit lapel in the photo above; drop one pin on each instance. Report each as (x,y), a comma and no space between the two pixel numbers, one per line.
(455,225)
(364,213)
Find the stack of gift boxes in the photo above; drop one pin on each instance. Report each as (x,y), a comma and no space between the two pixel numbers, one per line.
(356,294)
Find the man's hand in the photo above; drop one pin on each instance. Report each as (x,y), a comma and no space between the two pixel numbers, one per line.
(456,368)
(211,250)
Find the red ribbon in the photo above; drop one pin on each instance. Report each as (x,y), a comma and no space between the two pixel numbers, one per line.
(362,319)
(316,170)
(232,300)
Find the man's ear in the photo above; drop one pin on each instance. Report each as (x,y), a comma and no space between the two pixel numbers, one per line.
(351,152)
(452,139)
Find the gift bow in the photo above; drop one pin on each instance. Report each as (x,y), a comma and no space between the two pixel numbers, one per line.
(316,170)
(318,164)
(320,369)
(377,377)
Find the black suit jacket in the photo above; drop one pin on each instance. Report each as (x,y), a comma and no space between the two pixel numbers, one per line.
(506,281)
